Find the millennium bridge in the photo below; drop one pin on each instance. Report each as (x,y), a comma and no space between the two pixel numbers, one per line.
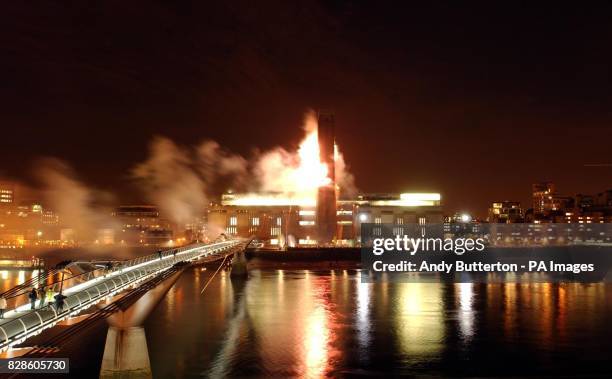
(123,292)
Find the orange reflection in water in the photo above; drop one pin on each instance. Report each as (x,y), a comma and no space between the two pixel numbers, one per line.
(510,314)
(316,340)
(303,343)
(545,304)
(11,278)
(561,324)
(319,328)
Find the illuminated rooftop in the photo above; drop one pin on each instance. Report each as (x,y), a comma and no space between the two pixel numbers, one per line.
(408,199)
(267,199)
(279,199)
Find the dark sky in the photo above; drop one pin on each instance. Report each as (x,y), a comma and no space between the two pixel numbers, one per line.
(475,102)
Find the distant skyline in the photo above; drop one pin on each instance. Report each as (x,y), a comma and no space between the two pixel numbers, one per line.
(476,103)
(29,194)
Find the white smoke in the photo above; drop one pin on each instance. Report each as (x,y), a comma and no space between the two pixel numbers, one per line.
(79,207)
(344,179)
(213,163)
(180,180)
(169,180)
(275,170)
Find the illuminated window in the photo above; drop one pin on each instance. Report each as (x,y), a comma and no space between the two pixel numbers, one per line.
(378,220)
(233,221)
(255,221)
(422,220)
(279,221)
(302,241)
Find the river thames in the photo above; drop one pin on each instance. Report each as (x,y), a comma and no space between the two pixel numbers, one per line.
(299,323)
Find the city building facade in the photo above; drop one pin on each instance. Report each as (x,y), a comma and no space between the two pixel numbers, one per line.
(275,220)
(505,212)
(140,225)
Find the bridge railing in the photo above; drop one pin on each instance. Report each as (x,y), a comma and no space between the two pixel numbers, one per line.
(21,299)
(28,323)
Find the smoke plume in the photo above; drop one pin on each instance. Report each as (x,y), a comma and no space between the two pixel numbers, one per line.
(79,207)
(215,163)
(180,180)
(169,180)
(344,179)
(300,173)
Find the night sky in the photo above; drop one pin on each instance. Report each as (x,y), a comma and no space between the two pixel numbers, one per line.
(474,102)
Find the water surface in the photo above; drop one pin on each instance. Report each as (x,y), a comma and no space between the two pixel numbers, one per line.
(328,323)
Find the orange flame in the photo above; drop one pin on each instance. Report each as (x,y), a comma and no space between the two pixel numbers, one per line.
(311,173)
(289,178)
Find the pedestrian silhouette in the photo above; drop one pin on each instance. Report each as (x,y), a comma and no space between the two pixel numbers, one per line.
(41,296)
(3,306)
(33,296)
(59,302)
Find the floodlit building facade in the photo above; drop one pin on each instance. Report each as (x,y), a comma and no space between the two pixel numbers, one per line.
(277,220)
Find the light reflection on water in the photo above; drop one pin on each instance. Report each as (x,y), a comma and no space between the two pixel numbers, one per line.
(466,313)
(313,324)
(14,277)
(364,292)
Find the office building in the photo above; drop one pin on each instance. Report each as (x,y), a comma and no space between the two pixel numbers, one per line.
(505,212)
(7,193)
(140,225)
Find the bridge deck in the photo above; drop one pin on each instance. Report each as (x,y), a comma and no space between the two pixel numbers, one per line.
(22,322)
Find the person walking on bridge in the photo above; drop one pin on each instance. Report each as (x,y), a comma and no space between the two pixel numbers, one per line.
(49,295)
(59,302)
(159,252)
(33,295)
(108,267)
(3,306)
(41,295)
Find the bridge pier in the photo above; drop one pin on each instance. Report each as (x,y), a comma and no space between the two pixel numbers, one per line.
(239,266)
(125,352)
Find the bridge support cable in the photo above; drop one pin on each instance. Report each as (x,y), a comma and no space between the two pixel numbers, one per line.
(213,275)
